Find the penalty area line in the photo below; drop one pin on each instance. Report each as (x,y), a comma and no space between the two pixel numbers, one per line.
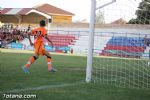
(43,87)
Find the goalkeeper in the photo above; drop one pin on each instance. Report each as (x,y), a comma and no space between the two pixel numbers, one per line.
(38,34)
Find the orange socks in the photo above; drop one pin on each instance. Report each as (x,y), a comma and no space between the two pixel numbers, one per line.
(31,60)
(49,63)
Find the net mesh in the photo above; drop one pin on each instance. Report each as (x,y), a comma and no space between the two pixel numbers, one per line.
(122,55)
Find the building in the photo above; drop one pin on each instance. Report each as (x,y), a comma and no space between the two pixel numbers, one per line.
(33,15)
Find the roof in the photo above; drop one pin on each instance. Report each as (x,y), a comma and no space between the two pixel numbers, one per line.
(15,11)
(44,8)
(119,21)
(52,10)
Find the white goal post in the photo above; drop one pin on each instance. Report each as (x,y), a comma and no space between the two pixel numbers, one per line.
(91,42)
(91,38)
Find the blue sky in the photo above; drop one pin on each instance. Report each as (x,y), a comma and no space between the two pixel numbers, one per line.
(81,8)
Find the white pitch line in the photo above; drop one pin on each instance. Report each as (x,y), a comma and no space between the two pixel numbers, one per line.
(42,87)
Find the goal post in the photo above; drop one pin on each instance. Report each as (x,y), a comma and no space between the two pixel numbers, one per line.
(91,42)
(91,37)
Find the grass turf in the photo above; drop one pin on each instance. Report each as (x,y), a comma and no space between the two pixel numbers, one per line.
(60,85)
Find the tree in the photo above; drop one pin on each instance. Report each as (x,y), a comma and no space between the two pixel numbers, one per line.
(99,18)
(143,13)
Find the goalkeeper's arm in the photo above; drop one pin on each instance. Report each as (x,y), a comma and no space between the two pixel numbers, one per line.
(48,40)
(30,39)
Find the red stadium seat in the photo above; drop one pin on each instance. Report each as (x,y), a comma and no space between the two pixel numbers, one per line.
(62,39)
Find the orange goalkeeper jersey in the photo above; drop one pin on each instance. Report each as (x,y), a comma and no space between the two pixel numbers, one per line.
(39,33)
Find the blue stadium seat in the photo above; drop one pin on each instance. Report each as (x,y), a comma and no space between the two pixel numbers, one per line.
(133,43)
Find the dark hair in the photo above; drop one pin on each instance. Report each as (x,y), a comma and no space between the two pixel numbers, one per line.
(42,23)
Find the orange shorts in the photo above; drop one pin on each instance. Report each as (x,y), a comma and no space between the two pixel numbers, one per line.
(39,48)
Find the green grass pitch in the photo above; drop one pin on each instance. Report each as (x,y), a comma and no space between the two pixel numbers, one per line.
(66,84)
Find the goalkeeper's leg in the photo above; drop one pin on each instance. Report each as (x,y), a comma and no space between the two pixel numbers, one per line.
(28,64)
(49,62)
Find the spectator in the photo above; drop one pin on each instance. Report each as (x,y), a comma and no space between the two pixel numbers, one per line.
(147,43)
(71,50)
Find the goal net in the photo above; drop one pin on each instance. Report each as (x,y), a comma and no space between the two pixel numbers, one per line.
(122,44)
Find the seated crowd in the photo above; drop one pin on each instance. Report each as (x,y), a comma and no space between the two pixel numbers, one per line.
(9,34)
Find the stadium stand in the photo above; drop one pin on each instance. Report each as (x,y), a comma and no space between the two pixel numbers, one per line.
(19,40)
(62,39)
(81,45)
(132,47)
(8,34)
(62,42)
